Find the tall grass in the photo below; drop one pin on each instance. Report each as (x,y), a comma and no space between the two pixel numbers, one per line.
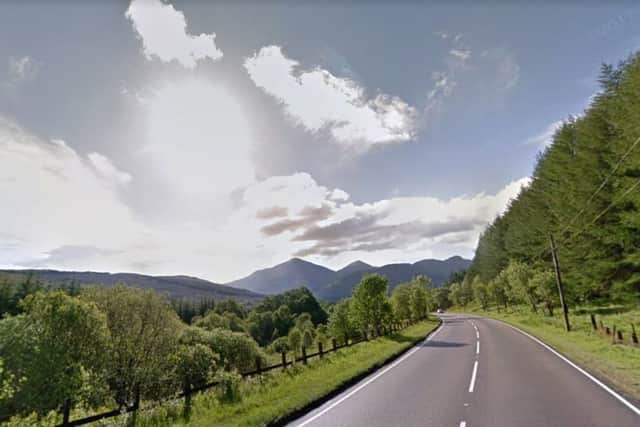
(273,396)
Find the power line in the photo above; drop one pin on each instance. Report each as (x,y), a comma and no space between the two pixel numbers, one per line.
(604,211)
(593,195)
(604,182)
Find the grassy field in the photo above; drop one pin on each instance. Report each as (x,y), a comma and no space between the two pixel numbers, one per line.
(270,398)
(617,364)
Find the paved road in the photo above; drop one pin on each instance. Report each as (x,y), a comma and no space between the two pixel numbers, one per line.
(475,372)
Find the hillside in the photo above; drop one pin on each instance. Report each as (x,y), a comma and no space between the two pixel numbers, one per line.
(175,286)
(438,270)
(330,285)
(288,275)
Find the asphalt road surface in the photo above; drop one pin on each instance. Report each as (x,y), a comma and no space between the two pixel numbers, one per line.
(476,372)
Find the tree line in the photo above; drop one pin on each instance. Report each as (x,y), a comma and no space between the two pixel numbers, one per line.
(105,346)
(585,190)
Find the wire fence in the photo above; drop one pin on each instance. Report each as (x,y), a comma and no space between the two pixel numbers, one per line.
(258,370)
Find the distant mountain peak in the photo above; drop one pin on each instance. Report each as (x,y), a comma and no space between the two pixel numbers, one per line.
(355,266)
(331,285)
(357,263)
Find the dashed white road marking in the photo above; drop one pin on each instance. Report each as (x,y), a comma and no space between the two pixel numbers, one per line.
(472,384)
(478,347)
(463,424)
(370,380)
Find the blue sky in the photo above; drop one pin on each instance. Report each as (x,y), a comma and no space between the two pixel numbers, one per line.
(216,138)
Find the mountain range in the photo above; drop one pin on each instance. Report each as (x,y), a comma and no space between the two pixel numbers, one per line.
(185,287)
(326,284)
(331,285)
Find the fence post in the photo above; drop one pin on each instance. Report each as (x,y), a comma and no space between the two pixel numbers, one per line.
(613,335)
(594,325)
(136,405)
(258,365)
(66,412)
(284,359)
(304,355)
(187,398)
(320,349)
(136,401)
(634,336)
(334,344)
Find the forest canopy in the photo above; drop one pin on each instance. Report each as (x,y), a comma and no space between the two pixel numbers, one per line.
(585,190)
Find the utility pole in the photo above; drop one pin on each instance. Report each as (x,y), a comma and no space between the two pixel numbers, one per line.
(556,265)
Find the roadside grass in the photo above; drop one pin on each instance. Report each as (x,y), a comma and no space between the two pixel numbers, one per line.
(273,396)
(617,364)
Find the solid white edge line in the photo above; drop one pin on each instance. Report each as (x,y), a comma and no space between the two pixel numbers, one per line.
(477,347)
(472,384)
(579,369)
(369,381)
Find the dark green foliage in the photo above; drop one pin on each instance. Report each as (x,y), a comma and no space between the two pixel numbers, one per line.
(144,333)
(231,306)
(13,288)
(274,316)
(188,309)
(54,351)
(585,190)
(237,351)
(299,301)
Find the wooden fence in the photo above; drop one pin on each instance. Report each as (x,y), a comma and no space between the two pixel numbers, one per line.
(259,369)
(615,334)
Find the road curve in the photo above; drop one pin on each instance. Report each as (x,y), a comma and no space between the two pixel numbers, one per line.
(475,372)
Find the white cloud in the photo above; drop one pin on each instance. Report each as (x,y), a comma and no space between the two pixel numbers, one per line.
(445,82)
(104,167)
(52,197)
(163,32)
(335,231)
(318,100)
(65,212)
(199,135)
(545,137)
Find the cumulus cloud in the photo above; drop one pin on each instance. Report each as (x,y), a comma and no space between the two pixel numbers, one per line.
(317,100)
(57,198)
(67,211)
(107,170)
(163,32)
(328,228)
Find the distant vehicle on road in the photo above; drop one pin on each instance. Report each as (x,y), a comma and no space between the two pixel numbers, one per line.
(439,311)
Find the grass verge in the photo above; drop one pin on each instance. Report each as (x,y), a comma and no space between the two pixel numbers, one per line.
(618,365)
(275,397)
